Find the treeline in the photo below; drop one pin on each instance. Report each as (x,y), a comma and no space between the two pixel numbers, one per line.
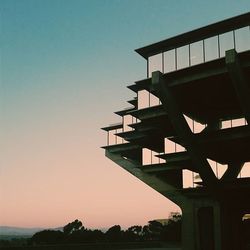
(75,233)
(14,241)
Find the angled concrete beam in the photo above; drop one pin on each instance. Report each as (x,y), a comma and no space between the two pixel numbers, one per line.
(232,171)
(239,82)
(182,129)
(151,180)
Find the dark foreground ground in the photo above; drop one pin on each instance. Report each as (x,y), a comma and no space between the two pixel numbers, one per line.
(69,248)
(107,246)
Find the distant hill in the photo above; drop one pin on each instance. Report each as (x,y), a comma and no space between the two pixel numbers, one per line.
(19,231)
(4,230)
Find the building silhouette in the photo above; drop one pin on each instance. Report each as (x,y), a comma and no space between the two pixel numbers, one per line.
(186,134)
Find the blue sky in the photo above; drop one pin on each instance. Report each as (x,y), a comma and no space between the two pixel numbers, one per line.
(64,70)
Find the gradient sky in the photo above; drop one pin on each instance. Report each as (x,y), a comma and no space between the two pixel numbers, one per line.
(64,70)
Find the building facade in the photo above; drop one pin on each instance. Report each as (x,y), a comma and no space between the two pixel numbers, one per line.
(186,134)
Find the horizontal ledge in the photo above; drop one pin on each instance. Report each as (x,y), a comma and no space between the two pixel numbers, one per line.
(113,127)
(124,111)
(195,35)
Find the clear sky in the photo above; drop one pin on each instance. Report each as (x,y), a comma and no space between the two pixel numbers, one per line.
(64,70)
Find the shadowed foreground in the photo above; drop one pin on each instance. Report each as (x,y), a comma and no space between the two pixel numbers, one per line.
(98,246)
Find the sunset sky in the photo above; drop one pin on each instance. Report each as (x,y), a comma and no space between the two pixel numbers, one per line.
(64,68)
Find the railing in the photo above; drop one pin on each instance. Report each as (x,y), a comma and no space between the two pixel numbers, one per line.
(201,51)
(116,128)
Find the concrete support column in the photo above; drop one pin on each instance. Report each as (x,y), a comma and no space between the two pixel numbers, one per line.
(208,224)
(189,234)
(239,81)
(231,223)
(201,225)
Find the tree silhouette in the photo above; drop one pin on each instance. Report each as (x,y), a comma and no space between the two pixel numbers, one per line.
(146,233)
(75,232)
(114,233)
(47,237)
(137,230)
(172,231)
(155,227)
(133,233)
(73,226)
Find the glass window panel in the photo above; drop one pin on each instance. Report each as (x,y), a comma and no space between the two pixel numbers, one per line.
(119,139)
(134,120)
(112,137)
(169,61)
(196,53)
(187,178)
(170,146)
(245,171)
(211,48)
(143,99)
(221,169)
(155,160)
(127,120)
(238,122)
(154,63)
(242,39)
(194,126)
(153,100)
(198,127)
(218,169)
(182,57)
(226,42)
(226,124)
(234,123)
(179,148)
(214,166)
(146,156)
(189,122)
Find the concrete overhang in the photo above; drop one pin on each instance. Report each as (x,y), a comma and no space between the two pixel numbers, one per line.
(195,35)
(113,127)
(125,111)
(149,112)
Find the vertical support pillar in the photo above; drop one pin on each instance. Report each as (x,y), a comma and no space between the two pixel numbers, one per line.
(230,227)
(217,227)
(199,226)
(239,82)
(189,225)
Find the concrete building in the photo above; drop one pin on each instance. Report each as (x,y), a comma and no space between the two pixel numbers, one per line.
(186,134)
